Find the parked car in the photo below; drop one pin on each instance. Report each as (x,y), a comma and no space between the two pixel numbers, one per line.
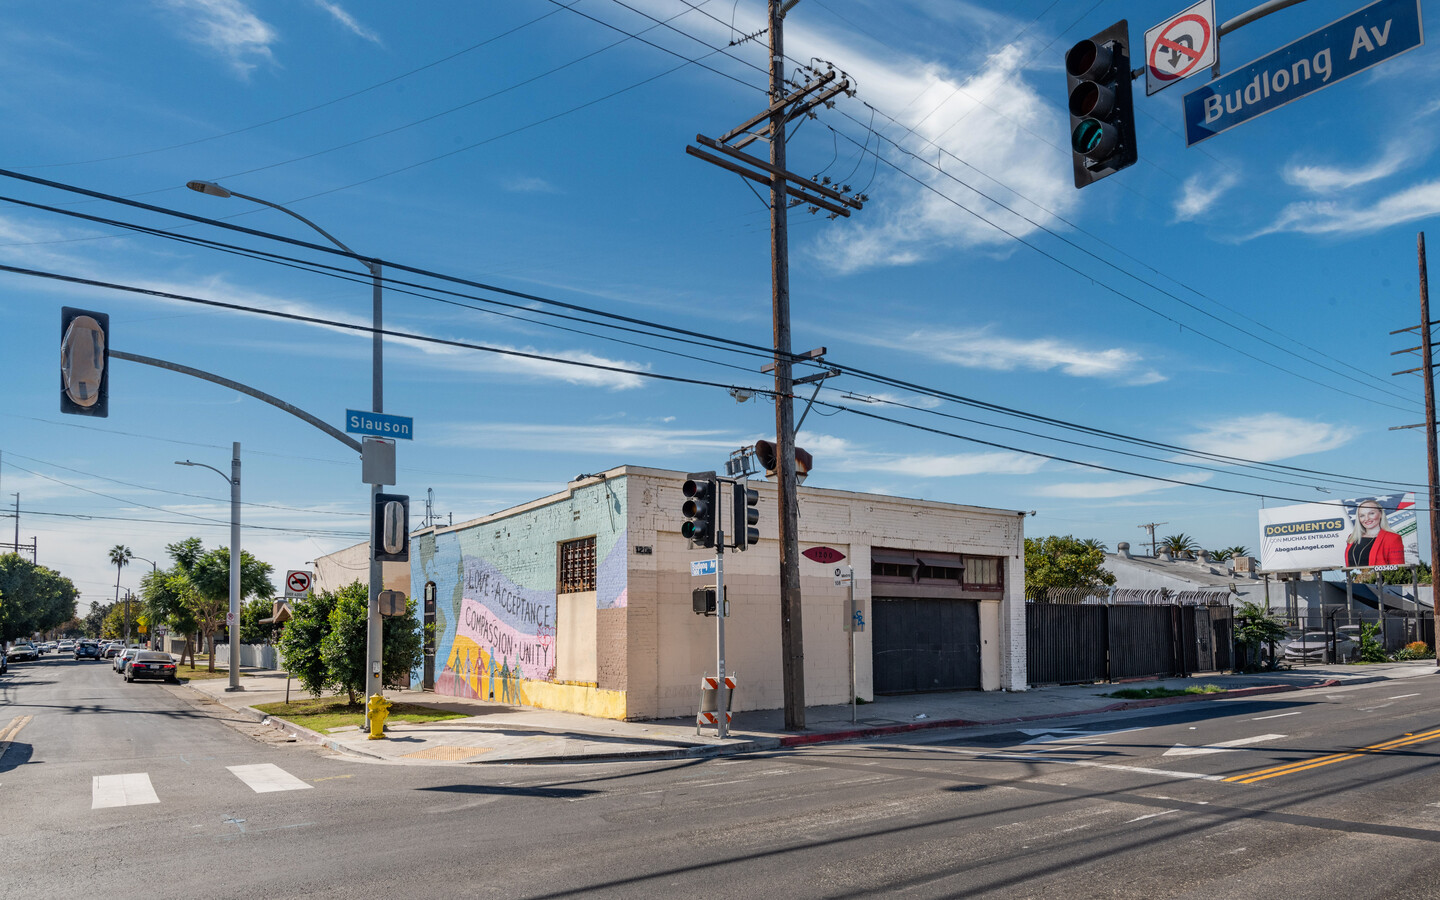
(1311,647)
(65,646)
(150,664)
(123,657)
(23,651)
(110,650)
(87,650)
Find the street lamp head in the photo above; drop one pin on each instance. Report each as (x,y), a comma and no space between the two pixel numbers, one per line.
(207,187)
(185,463)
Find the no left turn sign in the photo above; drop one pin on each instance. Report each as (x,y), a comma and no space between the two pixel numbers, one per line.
(297,584)
(1180,46)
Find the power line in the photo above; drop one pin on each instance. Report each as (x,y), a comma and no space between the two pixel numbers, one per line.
(731,344)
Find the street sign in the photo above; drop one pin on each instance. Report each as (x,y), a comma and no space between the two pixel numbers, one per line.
(379,424)
(702,567)
(822,554)
(1345,47)
(844,575)
(229,619)
(297,584)
(1180,46)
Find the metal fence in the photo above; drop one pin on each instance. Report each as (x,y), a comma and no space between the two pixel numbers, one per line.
(1396,629)
(1080,642)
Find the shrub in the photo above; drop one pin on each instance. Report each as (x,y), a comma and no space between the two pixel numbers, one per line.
(1370,649)
(1415,650)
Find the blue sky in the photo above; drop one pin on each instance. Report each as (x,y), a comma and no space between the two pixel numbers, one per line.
(1235,297)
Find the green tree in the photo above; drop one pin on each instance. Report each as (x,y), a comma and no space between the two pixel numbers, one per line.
(114,624)
(1093,544)
(252,630)
(1255,627)
(1062,562)
(32,598)
(208,572)
(300,641)
(95,619)
(324,644)
(1179,544)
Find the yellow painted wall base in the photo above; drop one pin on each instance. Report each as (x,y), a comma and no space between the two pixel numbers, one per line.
(575,698)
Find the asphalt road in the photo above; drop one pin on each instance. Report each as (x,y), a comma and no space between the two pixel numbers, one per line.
(1310,794)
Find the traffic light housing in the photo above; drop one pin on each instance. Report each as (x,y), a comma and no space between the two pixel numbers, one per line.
(768,455)
(1102,108)
(84,362)
(699,512)
(742,523)
(390,541)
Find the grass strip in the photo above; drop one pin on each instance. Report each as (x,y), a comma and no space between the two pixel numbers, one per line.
(324,713)
(1158,693)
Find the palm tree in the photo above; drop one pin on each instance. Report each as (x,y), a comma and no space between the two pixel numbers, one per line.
(1237,550)
(1220,555)
(1093,544)
(119,556)
(1179,544)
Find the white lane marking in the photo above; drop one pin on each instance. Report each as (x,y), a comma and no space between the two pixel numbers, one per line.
(1221,747)
(1072,735)
(1165,812)
(265,778)
(1276,716)
(121,790)
(1026,757)
(1402,696)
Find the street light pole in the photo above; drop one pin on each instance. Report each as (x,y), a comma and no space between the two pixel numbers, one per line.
(232,620)
(377,346)
(152,576)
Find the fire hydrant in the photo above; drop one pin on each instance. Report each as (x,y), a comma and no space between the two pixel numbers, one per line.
(379,709)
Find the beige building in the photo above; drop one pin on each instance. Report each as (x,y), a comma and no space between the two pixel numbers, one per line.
(582,600)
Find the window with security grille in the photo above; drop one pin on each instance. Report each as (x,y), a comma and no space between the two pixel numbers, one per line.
(577,566)
(984,573)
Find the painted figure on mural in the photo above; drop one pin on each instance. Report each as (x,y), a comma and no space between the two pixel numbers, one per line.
(505,681)
(490,670)
(1372,543)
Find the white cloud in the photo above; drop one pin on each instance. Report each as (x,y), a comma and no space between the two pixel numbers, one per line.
(988,115)
(1329,179)
(981,348)
(344,18)
(524,184)
(840,455)
(228,27)
(1419,201)
(1103,490)
(592,439)
(1267,437)
(1199,193)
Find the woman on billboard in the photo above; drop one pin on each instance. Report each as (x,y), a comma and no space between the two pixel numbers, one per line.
(1372,543)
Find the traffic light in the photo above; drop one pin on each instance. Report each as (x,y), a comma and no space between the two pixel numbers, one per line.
(84,362)
(1102,110)
(391,539)
(699,512)
(742,523)
(768,455)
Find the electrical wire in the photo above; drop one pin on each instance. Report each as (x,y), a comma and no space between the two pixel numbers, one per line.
(891,382)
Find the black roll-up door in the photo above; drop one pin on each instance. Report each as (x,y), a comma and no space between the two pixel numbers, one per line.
(924,644)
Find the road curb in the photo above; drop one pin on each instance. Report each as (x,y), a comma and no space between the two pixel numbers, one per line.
(298,731)
(800,740)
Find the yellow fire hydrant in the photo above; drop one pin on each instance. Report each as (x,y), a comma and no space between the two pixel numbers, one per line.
(379,711)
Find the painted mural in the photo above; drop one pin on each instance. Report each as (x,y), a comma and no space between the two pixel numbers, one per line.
(496,609)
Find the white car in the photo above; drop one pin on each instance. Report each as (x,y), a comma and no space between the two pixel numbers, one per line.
(123,656)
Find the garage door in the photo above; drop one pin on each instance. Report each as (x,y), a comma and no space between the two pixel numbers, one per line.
(924,644)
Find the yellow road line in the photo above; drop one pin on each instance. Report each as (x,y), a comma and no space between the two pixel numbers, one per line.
(8,734)
(1302,765)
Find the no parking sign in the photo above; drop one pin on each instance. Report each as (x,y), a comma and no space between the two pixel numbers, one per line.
(1181,46)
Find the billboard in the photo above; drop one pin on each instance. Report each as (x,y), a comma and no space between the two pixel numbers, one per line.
(1366,532)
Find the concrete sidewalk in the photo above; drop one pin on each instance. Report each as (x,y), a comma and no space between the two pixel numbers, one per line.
(497,733)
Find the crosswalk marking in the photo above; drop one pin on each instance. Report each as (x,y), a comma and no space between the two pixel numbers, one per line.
(1220,747)
(122,790)
(267,777)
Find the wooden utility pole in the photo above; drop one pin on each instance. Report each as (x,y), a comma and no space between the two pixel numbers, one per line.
(1432,462)
(792,646)
(1432,467)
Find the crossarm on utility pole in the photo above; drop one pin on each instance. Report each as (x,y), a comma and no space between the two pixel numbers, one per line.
(296,411)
